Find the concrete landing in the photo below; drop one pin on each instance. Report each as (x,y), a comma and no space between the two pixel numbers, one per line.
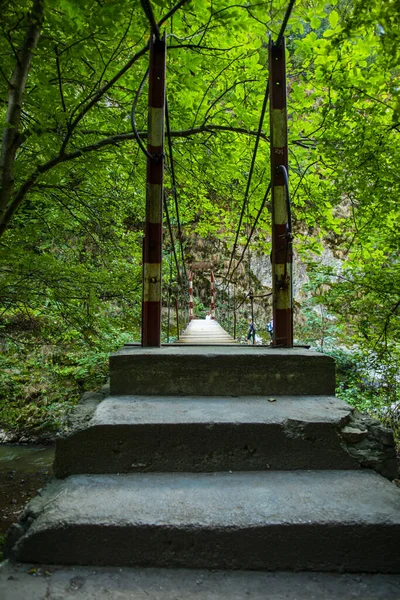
(130,434)
(220,371)
(302,520)
(202,331)
(29,582)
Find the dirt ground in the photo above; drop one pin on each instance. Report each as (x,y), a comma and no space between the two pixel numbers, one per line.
(23,471)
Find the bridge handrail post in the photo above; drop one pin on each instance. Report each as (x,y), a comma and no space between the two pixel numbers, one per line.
(151,298)
(212,295)
(282,252)
(191,315)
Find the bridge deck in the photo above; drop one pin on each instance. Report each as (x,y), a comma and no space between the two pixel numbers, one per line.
(202,331)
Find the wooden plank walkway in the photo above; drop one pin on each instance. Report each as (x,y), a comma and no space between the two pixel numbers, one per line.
(203,332)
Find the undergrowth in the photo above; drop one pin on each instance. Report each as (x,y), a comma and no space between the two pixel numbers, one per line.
(40,381)
(369,386)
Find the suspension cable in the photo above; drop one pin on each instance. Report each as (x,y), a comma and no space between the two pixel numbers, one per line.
(252,230)
(285,21)
(133,118)
(171,236)
(263,110)
(287,196)
(172,169)
(150,16)
(242,302)
(288,235)
(246,194)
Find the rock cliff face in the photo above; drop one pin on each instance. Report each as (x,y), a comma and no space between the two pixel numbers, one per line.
(261,268)
(254,272)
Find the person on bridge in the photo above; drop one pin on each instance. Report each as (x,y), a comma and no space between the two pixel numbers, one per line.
(251,332)
(208,316)
(270,329)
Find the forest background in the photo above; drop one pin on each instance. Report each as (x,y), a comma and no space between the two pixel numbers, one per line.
(72,197)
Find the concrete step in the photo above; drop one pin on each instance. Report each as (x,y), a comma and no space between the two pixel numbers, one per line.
(180,370)
(144,433)
(33,582)
(302,520)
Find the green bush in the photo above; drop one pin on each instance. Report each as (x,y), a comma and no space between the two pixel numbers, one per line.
(40,383)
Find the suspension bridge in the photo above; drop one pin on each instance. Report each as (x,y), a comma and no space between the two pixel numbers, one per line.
(281,234)
(208,454)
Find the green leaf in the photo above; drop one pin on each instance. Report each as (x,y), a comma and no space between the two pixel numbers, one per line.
(315,22)
(333,19)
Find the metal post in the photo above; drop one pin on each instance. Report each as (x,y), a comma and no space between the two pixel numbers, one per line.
(190,296)
(151,305)
(169,300)
(251,296)
(234,312)
(177,317)
(282,253)
(169,314)
(212,295)
(229,308)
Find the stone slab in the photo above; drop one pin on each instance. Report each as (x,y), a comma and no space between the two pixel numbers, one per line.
(49,582)
(130,434)
(222,371)
(122,410)
(347,521)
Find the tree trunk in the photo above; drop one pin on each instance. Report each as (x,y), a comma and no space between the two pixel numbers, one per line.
(12,137)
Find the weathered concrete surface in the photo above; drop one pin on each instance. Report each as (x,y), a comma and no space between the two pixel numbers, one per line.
(81,414)
(371,444)
(130,434)
(28,582)
(298,520)
(220,371)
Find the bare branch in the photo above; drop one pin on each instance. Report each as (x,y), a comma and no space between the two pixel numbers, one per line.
(97,146)
(101,93)
(114,79)
(171,12)
(208,48)
(5,77)
(60,80)
(228,89)
(212,83)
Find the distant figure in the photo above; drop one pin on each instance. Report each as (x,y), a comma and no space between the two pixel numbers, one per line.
(270,328)
(251,332)
(208,316)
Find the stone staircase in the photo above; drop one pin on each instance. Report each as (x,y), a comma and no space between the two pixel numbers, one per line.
(223,457)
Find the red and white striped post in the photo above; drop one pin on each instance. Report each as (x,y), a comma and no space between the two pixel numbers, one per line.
(152,251)
(212,295)
(282,253)
(191,316)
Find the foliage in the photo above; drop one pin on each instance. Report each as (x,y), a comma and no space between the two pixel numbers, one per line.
(40,382)
(72,177)
(354,321)
(368,386)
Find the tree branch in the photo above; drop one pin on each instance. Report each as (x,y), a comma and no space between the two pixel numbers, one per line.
(59,79)
(10,200)
(208,48)
(18,81)
(95,147)
(222,94)
(114,79)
